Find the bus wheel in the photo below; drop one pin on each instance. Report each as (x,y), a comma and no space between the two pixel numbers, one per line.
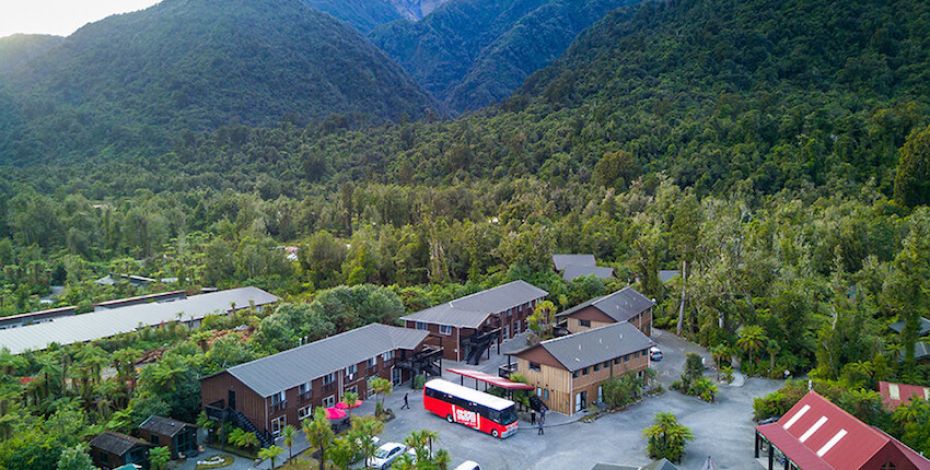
(495,433)
(449,418)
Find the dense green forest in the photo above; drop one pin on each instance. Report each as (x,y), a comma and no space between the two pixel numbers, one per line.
(778,150)
(19,49)
(472,53)
(132,81)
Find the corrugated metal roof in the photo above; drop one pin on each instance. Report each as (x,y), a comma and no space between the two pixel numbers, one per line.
(164,426)
(288,369)
(116,443)
(816,434)
(563,261)
(622,305)
(472,310)
(594,346)
(923,326)
(106,323)
(895,395)
(573,272)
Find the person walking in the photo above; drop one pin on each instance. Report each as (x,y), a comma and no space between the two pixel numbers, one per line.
(406,403)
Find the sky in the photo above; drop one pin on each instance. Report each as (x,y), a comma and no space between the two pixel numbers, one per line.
(59,17)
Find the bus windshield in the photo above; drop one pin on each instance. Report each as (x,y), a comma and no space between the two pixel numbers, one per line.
(505,416)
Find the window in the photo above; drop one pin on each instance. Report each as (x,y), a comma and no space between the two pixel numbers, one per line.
(372,362)
(606,364)
(584,371)
(574,374)
(277,401)
(888,466)
(545,394)
(617,360)
(585,323)
(304,391)
(597,367)
(352,370)
(277,425)
(387,356)
(535,366)
(352,389)
(445,330)
(304,413)
(329,401)
(626,358)
(421,326)
(328,379)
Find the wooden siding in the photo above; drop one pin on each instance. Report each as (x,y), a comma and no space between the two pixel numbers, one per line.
(599,319)
(217,387)
(449,343)
(553,377)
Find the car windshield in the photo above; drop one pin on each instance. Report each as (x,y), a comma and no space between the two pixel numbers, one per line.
(384,452)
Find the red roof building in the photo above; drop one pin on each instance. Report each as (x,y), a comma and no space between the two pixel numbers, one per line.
(895,395)
(815,434)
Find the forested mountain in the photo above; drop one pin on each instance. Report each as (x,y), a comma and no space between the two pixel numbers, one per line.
(19,49)
(131,80)
(471,53)
(365,15)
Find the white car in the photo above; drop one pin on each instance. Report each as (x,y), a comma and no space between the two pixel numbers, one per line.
(468,465)
(386,455)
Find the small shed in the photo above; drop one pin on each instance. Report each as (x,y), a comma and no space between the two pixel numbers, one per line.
(113,450)
(179,437)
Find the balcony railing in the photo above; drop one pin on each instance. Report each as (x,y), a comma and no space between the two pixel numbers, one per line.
(305,396)
(279,406)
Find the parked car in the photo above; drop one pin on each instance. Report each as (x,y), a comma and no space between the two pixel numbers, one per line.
(468,465)
(655,354)
(386,455)
(413,454)
(375,440)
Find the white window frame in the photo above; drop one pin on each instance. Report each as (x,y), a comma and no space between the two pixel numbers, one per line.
(352,370)
(329,378)
(422,326)
(278,424)
(387,356)
(445,330)
(305,412)
(329,401)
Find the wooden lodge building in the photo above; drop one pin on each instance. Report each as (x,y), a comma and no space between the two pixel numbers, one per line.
(264,395)
(568,371)
(625,305)
(111,450)
(467,327)
(179,437)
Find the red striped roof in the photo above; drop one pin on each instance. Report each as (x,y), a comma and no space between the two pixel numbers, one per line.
(815,434)
(895,395)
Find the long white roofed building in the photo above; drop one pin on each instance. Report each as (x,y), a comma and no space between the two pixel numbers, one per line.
(114,321)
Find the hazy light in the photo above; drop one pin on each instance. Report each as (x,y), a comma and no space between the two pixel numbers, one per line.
(60,17)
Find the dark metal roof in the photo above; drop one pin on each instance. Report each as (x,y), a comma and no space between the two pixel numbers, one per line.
(116,443)
(300,365)
(594,346)
(621,305)
(563,261)
(923,328)
(164,426)
(573,272)
(666,275)
(472,310)
(662,464)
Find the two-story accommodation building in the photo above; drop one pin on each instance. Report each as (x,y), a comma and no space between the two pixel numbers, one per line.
(568,371)
(284,388)
(465,327)
(625,305)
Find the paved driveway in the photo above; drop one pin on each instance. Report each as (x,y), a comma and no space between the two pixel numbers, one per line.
(723,430)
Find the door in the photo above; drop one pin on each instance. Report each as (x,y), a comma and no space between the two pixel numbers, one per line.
(396,376)
(581,401)
(600,394)
(232,399)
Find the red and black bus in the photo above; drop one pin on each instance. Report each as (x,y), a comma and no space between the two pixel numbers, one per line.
(478,410)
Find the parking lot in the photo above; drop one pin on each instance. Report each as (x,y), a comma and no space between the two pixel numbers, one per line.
(723,430)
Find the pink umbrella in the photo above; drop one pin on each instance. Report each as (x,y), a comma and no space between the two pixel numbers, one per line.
(344,406)
(335,413)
